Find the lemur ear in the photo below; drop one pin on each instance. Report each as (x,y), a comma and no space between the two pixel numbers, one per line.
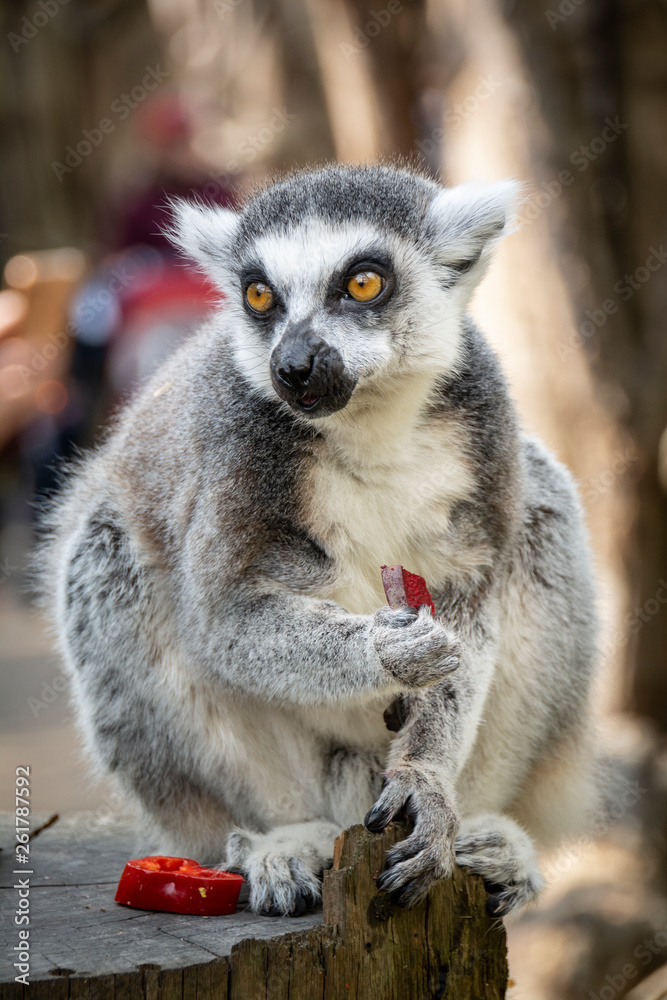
(202,233)
(465,221)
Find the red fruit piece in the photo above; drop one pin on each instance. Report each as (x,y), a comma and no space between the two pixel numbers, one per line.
(178,885)
(417,591)
(405,589)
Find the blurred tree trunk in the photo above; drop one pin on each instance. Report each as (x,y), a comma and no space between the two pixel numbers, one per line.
(302,80)
(600,69)
(377,63)
(60,75)
(396,56)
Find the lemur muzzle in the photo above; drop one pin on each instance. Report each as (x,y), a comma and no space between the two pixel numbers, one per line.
(306,370)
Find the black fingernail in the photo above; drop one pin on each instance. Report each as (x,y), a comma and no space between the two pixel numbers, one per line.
(495,906)
(272,911)
(299,906)
(375,820)
(393,717)
(493,888)
(381,881)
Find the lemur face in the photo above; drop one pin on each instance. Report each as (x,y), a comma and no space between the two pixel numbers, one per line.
(329,309)
(341,279)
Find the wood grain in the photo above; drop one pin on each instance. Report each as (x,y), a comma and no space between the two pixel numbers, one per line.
(86,947)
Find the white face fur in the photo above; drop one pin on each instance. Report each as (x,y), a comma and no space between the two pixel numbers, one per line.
(413,328)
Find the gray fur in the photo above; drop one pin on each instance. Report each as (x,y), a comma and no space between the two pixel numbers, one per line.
(213,568)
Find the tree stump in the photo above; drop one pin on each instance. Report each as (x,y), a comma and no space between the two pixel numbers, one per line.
(84,946)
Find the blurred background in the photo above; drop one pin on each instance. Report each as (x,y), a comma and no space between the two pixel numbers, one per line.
(108,107)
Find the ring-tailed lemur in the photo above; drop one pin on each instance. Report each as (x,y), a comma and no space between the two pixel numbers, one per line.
(214,567)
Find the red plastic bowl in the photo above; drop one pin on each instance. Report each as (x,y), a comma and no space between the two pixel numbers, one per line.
(178,885)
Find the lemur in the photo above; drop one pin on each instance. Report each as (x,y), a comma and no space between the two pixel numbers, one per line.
(213,567)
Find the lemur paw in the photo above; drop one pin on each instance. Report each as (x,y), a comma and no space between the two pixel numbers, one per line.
(284,874)
(496,848)
(415,864)
(414,646)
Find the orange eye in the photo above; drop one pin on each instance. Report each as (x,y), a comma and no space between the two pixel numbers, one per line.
(259,297)
(365,286)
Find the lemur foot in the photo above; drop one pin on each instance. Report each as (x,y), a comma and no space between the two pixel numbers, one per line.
(283,867)
(496,848)
(415,864)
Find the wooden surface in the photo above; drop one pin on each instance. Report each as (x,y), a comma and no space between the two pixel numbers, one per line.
(84,946)
(652,988)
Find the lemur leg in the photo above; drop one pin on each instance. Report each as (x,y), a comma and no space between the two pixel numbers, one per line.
(283,866)
(428,754)
(496,848)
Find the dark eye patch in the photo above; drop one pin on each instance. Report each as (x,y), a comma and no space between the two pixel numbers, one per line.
(337,293)
(250,275)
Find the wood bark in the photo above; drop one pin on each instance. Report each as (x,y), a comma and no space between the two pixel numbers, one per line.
(360,946)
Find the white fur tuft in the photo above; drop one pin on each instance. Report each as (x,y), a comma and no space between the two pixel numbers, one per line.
(202,233)
(465,220)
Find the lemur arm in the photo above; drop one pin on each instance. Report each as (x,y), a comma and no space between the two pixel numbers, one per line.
(437,728)
(442,723)
(254,625)
(429,752)
(289,647)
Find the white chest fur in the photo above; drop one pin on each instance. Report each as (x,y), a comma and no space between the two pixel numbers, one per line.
(381,491)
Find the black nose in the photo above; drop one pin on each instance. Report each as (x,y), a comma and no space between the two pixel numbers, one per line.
(308,373)
(295,368)
(296,357)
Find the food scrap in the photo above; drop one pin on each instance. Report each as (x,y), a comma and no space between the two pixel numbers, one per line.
(405,589)
(178,885)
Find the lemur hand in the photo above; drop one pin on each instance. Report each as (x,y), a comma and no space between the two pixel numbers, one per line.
(427,854)
(414,646)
